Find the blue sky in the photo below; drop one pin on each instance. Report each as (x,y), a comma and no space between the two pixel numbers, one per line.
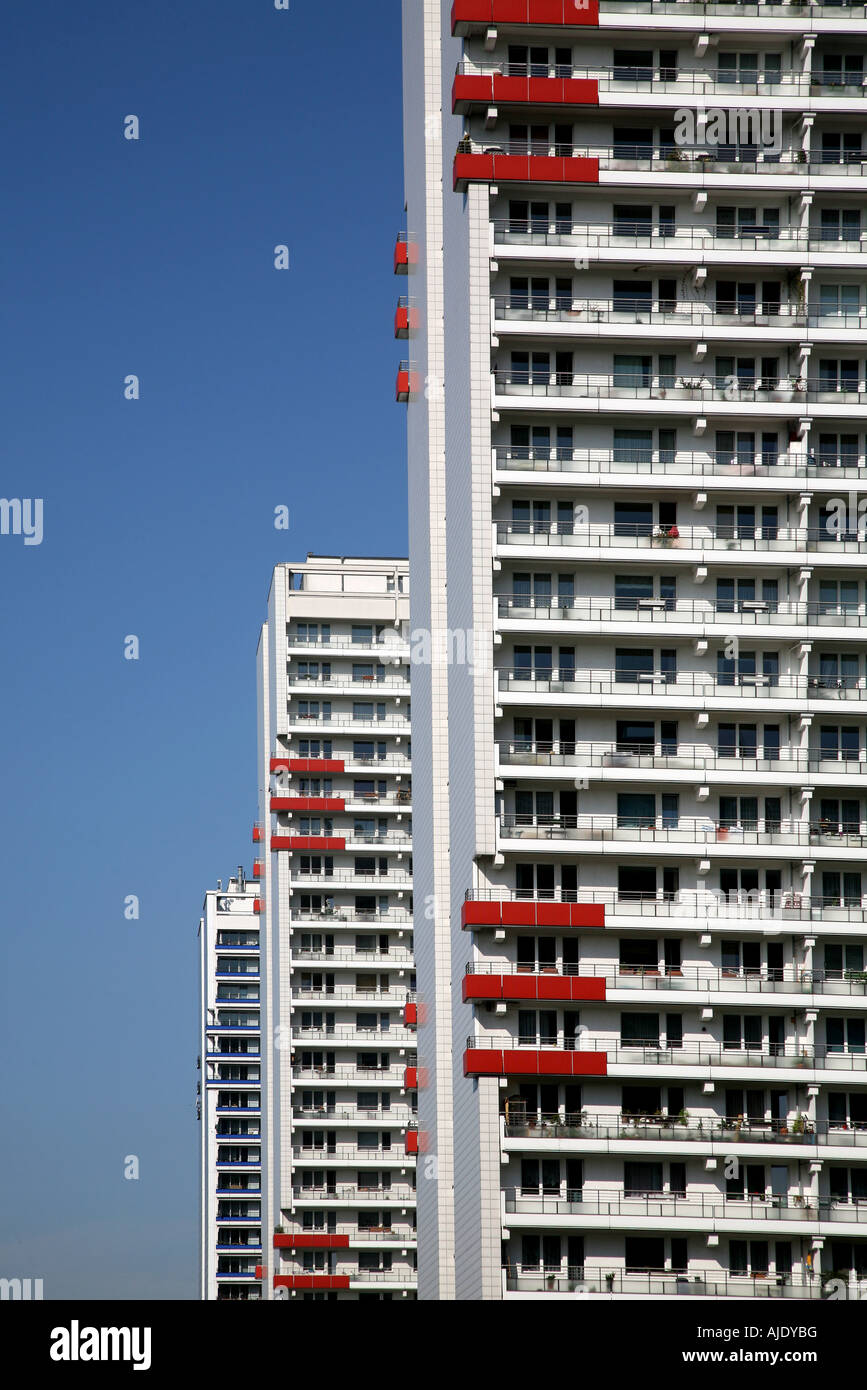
(258,388)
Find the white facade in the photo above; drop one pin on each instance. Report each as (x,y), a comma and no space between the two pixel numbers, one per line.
(337,951)
(229,1091)
(639,250)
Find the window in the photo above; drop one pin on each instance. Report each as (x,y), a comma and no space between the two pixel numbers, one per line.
(639,1030)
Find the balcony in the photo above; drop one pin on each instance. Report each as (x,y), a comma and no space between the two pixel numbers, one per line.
(691,614)
(484,907)
(685,686)
(658,1283)
(592,981)
(632,1058)
(311,1281)
(784,320)
(671,1131)
(821,466)
(348,1075)
(311,1240)
(788,763)
(469,16)
(394,1193)
(516,84)
(783,398)
(474,87)
(794,11)
(786,542)
(487,1056)
(326,844)
(687,1213)
(495,164)
(327,804)
(405,254)
(671,244)
(406,318)
(306,764)
(408,383)
(483,982)
(480,910)
(692,830)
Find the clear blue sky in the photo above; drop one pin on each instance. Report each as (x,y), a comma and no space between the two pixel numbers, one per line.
(258,388)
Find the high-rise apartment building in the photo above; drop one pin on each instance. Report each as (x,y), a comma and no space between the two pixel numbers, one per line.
(323,1065)
(636,392)
(229,1093)
(338,1010)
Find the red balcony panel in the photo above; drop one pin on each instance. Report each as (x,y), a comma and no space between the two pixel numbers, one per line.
(481,913)
(406,320)
(308,803)
(570,987)
(410,1013)
(326,843)
(532,986)
(586,915)
(412,1141)
(407,385)
(257,868)
(260,1272)
(517,914)
(405,255)
(494,912)
(482,1061)
(257,834)
(257,905)
(582,91)
(485,89)
(489,1061)
(311,1240)
(410,1078)
(474,14)
(519,168)
(311,1281)
(307,764)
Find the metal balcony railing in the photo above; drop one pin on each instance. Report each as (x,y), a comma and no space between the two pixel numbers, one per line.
(565,606)
(539,231)
(838,10)
(720,313)
(822,464)
(673,1130)
(660,1283)
(680,81)
(638,386)
(788,980)
(642,156)
(689,757)
(684,1208)
(785,905)
(393,877)
(788,1056)
(342,1191)
(623,535)
(682,829)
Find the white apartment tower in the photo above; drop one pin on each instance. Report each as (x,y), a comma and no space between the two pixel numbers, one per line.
(229,1093)
(338,999)
(636,256)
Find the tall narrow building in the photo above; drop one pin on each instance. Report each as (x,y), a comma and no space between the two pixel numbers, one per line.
(338,1006)
(636,400)
(229,1092)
